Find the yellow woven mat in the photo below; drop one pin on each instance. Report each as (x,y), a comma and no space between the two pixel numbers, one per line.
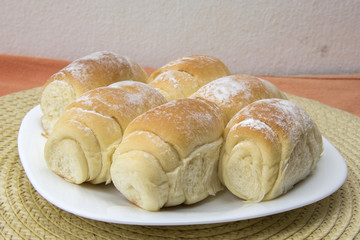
(24,214)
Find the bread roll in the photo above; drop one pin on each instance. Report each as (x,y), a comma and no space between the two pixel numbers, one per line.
(83,140)
(182,77)
(169,155)
(95,70)
(232,93)
(270,145)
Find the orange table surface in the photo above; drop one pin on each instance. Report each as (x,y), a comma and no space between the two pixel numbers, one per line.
(19,73)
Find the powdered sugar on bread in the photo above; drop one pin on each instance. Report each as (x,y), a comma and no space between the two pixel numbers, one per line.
(223,90)
(131,94)
(285,115)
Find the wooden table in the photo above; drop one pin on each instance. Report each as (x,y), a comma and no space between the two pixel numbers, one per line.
(340,91)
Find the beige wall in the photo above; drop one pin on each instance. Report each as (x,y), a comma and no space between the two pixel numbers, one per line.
(249,36)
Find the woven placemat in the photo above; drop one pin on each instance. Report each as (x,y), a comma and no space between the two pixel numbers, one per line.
(24,214)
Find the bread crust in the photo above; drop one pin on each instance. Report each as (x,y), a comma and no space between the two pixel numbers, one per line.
(98,69)
(179,143)
(182,77)
(95,122)
(270,145)
(232,93)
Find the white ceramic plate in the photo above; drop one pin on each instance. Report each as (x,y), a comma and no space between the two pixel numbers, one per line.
(105,203)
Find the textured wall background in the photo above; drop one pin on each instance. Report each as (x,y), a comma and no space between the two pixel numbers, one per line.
(249,36)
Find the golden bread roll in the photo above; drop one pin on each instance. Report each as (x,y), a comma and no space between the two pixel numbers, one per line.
(84,138)
(182,77)
(169,155)
(232,93)
(270,145)
(95,70)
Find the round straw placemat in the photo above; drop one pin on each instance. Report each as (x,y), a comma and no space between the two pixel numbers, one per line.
(24,214)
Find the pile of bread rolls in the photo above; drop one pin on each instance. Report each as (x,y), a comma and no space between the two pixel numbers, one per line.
(188,131)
